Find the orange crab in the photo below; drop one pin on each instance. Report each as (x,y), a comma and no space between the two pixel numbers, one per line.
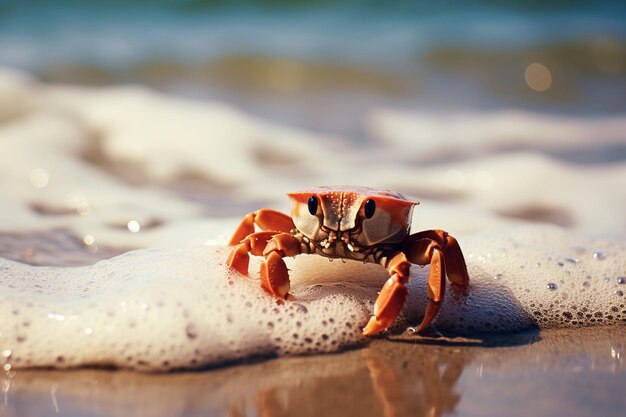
(357,223)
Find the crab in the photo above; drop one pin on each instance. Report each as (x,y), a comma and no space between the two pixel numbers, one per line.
(355,223)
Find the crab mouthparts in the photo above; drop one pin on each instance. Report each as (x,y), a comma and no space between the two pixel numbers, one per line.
(342,236)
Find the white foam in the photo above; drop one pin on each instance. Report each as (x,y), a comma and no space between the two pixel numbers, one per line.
(519,182)
(185,136)
(163,309)
(543,275)
(428,134)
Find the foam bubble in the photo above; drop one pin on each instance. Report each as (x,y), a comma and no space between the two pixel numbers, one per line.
(536,283)
(161,309)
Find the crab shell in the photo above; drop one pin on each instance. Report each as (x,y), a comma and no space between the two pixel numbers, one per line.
(341,211)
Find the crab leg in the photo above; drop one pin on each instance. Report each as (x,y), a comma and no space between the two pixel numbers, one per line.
(266,219)
(254,243)
(392,296)
(274,273)
(423,252)
(432,247)
(453,257)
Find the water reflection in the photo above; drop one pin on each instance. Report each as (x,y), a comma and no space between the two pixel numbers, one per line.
(436,377)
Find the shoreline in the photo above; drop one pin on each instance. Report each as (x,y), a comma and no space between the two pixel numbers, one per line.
(574,372)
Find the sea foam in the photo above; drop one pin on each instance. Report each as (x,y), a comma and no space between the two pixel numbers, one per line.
(162,309)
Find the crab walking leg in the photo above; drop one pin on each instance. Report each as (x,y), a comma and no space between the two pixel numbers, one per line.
(266,219)
(453,257)
(456,269)
(392,296)
(254,243)
(423,252)
(274,273)
(435,289)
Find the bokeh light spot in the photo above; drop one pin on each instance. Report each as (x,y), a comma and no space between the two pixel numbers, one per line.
(482,180)
(39,178)
(89,240)
(538,77)
(133,226)
(454,179)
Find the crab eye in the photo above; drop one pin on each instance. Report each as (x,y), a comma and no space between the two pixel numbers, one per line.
(313,203)
(369,208)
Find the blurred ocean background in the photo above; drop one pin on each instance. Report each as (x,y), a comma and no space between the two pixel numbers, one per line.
(324,65)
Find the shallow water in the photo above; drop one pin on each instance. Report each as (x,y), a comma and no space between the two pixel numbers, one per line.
(549,373)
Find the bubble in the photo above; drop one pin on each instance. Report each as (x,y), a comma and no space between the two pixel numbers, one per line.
(572,260)
(599,255)
(619,293)
(497,276)
(621,280)
(300,308)
(551,286)
(191,331)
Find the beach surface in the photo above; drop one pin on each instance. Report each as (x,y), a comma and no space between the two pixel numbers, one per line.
(550,373)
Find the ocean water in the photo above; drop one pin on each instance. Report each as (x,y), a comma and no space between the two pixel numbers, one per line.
(326,66)
(135,137)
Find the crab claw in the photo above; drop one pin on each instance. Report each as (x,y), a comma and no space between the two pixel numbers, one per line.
(387,307)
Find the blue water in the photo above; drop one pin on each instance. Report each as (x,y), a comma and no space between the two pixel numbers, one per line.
(442,56)
(33,33)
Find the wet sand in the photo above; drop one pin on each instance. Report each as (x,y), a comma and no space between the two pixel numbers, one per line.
(563,372)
